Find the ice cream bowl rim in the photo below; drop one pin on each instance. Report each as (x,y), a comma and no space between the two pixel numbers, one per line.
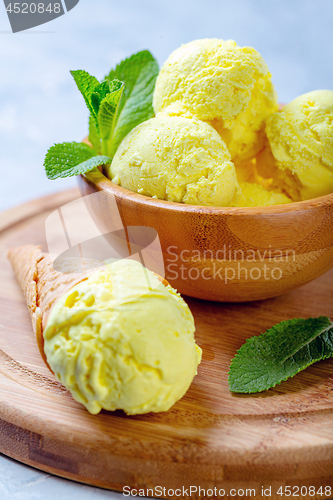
(102,182)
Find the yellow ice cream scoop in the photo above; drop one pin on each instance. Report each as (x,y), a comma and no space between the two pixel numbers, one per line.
(176,159)
(223,84)
(122,340)
(256,195)
(300,138)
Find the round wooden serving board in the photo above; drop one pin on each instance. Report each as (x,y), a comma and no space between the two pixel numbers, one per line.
(211,438)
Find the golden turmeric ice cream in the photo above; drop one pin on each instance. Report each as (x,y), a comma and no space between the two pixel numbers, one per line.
(122,340)
(268,174)
(300,139)
(223,84)
(176,159)
(218,138)
(255,195)
(256,190)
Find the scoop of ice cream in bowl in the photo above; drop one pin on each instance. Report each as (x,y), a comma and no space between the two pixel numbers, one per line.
(239,192)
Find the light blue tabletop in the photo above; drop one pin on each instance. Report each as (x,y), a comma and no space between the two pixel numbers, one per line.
(39,103)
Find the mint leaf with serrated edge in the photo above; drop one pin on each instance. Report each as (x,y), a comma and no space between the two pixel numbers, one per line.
(72,158)
(87,85)
(281,352)
(98,95)
(139,73)
(108,109)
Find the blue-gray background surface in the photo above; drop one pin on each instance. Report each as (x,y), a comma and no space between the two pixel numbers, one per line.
(39,103)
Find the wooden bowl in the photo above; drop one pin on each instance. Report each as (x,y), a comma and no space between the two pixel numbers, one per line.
(229,254)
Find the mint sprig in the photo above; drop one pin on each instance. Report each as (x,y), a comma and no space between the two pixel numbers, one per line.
(119,103)
(281,352)
(139,73)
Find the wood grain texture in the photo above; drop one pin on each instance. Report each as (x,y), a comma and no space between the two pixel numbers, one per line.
(229,254)
(210,438)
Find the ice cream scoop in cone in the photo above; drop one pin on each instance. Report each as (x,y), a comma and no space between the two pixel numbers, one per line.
(115,337)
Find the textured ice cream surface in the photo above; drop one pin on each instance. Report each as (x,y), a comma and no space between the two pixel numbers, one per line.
(277,178)
(223,84)
(176,159)
(255,195)
(123,340)
(301,141)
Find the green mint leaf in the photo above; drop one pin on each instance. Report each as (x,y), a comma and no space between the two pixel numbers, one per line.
(279,353)
(102,100)
(94,137)
(71,158)
(87,85)
(108,109)
(139,73)
(98,95)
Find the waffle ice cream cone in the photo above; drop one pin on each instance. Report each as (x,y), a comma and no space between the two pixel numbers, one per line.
(115,337)
(41,284)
